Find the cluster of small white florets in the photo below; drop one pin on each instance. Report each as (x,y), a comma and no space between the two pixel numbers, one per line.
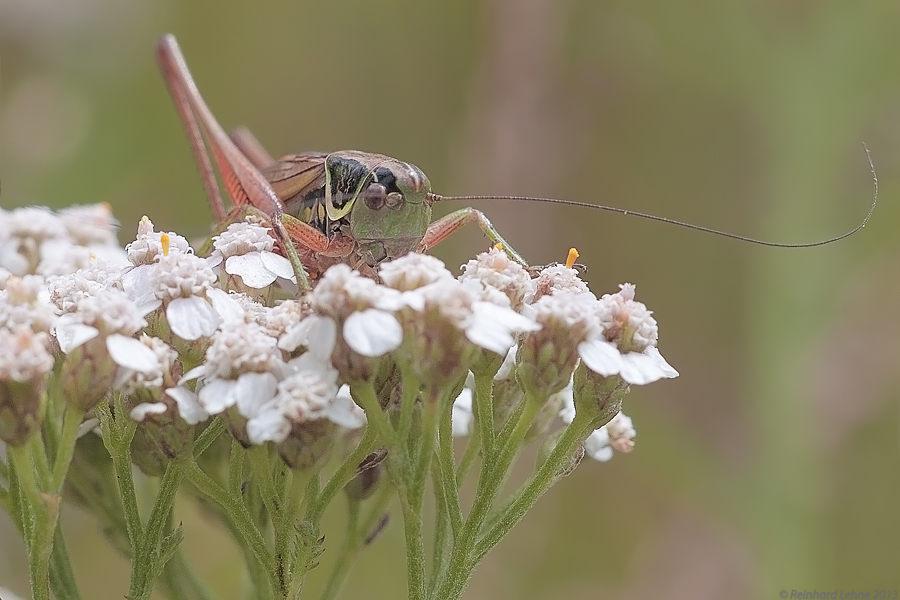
(202,337)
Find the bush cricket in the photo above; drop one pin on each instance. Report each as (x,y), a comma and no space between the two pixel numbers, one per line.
(348,206)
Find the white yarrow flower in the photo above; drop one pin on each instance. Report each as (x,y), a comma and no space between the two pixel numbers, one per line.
(246,250)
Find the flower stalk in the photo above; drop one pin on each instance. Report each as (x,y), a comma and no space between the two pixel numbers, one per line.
(130,378)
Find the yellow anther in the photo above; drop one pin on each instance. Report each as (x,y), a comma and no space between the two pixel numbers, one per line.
(165,244)
(573,256)
(499,246)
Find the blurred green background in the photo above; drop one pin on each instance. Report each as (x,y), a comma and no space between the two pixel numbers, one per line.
(772,462)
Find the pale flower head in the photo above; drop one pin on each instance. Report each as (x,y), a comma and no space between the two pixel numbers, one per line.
(301,397)
(495,269)
(182,282)
(627,345)
(149,244)
(23,355)
(24,303)
(413,271)
(91,224)
(246,249)
(558,279)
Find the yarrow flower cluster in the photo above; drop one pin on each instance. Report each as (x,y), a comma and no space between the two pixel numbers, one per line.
(163,352)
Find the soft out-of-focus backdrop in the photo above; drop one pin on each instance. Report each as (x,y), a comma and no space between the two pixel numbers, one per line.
(772,462)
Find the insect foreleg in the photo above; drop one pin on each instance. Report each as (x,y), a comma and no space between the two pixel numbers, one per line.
(439,230)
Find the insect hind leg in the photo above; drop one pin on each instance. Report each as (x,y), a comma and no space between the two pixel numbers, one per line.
(441,229)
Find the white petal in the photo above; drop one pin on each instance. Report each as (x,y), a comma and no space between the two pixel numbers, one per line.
(87,426)
(597,445)
(373,332)
(310,362)
(130,353)
(296,335)
(138,285)
(217,395)
(461,416)
(490,335)
(196,372)
(670,372)
(321,337)
(250,268)
(252,391)
(510,318)
(492,326)
(140,412)
(188,405)
(192,317)
(508,363)
(601,357)
(344,411)
(268,425)
(70,334)
(278,264)
(567,408)
(413,299)
(638,369)
(226,306)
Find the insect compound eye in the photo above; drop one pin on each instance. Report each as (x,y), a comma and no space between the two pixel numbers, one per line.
(394,200)
(375,196)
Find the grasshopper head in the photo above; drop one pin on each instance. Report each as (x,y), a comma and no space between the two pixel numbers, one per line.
(392,213)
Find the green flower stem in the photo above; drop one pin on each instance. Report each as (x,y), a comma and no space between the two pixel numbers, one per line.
(66,448)
(261,467)
(260,582)
(62,576)
(447,471)
(415,548)
(39,458)
(440,542)
(304,487)
(208,436)
(483,409)
(52,557)
(147,563)
(491,478)
(547,474)
(408,399)
(5,501)
(346,553)
(35,522)
(473,447)
(238,515)
(364,394)
(117,439)
(345,473)
(183,569)
(235,468)
(412,502)
(376,513)
(173,580)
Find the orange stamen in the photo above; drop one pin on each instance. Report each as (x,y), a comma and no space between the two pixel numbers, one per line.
(165,244)
(573,256)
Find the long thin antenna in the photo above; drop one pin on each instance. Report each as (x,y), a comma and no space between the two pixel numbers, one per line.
(734,236)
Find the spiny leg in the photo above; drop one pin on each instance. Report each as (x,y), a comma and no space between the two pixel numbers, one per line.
(441,229)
